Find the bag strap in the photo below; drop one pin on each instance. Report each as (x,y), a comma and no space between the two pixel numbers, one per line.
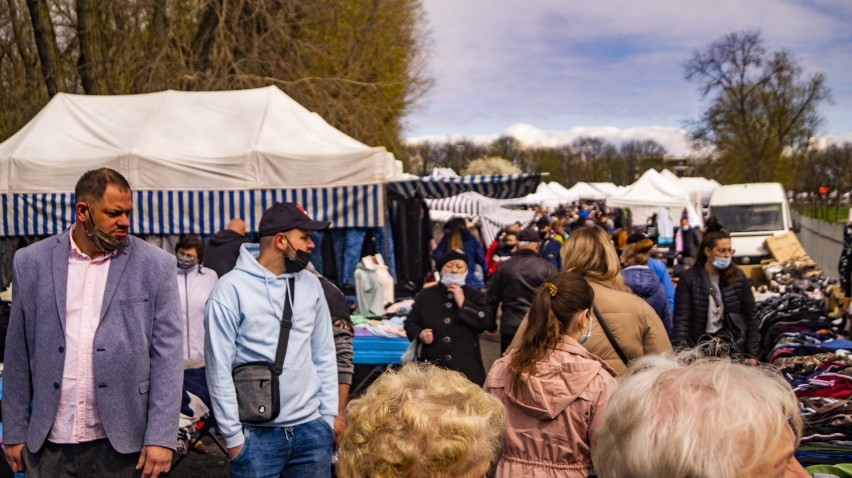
(712,291)
(286,325)
(609,336)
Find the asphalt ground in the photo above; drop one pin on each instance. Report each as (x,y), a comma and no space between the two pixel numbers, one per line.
(214,463)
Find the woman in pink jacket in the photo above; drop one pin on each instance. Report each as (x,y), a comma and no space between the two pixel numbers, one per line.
(553,389)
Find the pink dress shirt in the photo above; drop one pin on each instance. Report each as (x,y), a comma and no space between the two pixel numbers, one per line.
(77,418)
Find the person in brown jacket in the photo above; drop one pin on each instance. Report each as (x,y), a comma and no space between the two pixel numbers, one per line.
(555,391)
(633,324)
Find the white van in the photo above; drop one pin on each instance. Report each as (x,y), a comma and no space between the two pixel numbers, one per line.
(751,212)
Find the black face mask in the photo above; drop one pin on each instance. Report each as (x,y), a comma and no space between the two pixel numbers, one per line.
(298,263)
(507,247)
(103,241)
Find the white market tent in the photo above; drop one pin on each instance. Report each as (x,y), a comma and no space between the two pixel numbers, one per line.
(607,188)
(700,189)
(544,196)
(193,159)
(651,192)
(587,192)
(562,191)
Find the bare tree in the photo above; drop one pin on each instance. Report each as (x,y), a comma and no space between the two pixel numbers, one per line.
(763,109)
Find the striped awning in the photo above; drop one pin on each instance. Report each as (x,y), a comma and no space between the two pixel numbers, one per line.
(494,186)
(487,212)
(197,212)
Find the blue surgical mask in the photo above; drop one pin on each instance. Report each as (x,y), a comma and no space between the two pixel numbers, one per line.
(450,279)
(722,263)
(588,333)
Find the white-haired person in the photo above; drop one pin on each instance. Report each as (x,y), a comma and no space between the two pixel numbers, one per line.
(421,421)
(699,417)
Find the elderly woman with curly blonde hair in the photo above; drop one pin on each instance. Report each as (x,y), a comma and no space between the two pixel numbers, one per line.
(421,421)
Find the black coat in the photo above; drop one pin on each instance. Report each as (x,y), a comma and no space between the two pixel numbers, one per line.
(455,331)
(222,251)
(692,300)
(514,285)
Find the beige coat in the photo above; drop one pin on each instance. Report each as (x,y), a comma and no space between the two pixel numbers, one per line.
(634,324)
(553,413)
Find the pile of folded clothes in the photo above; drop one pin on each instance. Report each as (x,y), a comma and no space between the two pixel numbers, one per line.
(807,345)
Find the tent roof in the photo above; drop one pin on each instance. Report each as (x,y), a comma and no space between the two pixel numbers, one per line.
(586,191)
(175,140)
(545,195)
(651,189)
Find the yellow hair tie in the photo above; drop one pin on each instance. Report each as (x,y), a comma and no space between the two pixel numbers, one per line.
(551,288)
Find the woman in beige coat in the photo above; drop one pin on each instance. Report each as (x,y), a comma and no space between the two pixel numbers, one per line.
(554,390)
(634,325)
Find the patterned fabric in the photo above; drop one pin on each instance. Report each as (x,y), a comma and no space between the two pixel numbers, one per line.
(844,265)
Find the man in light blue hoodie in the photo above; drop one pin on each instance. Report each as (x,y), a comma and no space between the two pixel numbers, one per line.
(242,319)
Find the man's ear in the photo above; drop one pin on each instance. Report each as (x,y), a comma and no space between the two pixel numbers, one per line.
(82,209)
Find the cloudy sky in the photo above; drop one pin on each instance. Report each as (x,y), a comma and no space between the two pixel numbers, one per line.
(548,71)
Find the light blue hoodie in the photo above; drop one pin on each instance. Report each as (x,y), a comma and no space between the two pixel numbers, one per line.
(242,325)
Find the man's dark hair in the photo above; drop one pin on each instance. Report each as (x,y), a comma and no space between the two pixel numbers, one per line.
(92,184)
(192,242)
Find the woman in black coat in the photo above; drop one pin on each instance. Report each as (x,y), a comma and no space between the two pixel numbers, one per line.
(448,318)
(714,299)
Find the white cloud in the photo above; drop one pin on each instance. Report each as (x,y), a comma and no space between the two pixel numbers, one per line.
(560,64)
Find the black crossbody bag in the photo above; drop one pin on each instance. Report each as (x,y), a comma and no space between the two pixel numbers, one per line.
(256,383)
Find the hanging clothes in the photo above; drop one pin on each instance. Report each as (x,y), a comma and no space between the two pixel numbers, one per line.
(373,286)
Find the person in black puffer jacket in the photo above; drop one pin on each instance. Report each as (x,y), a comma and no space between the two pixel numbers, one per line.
(714,299)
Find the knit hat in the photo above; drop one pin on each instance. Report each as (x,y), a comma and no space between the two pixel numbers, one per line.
(450,256)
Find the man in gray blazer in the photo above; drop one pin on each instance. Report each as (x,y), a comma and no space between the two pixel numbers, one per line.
(93,372)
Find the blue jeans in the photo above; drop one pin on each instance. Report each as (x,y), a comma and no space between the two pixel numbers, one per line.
(271,452)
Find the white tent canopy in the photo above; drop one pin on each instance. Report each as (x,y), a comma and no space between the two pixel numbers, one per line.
(607,188)
(700,189)
(651,192)
(563,192)
(544,196)
(259,143)
(587,192)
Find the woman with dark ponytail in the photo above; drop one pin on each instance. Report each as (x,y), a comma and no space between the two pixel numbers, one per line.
(554,390)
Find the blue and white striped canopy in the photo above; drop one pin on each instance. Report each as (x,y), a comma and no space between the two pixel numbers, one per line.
(197,212)
(494,186)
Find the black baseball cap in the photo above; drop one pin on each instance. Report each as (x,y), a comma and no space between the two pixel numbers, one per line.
(284,216)
(529,235)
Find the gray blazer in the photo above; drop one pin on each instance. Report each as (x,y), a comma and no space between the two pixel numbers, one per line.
(137,358)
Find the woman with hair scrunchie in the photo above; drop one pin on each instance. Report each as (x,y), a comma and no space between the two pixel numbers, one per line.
(633,324)
(554,390)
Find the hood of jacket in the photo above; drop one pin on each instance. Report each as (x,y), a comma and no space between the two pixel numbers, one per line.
(641,280)
(558,381)
(225,236)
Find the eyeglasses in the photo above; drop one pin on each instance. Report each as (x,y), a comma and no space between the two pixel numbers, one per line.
(723,250)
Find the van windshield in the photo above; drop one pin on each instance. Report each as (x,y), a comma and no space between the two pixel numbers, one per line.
(749,218)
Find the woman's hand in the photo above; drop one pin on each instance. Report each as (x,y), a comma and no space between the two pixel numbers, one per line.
(426,336)
(458,294)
